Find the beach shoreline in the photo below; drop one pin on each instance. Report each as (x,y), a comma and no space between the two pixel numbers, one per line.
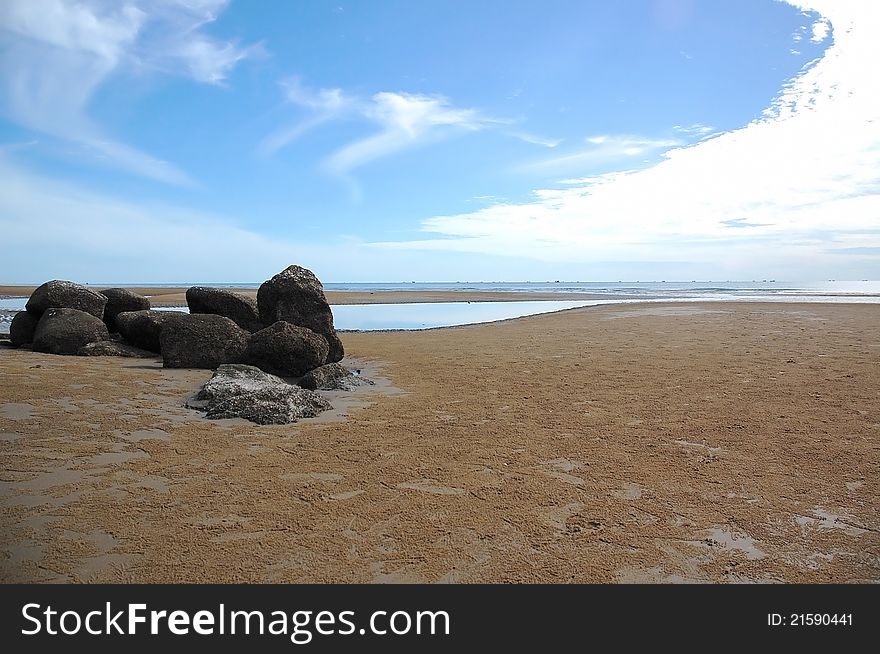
(662,442)
(176,296)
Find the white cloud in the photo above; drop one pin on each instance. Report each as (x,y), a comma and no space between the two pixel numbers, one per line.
(601,151)
(535,139)
(696,129)
(58,53)
(820,30)
(403,121)
(793,192)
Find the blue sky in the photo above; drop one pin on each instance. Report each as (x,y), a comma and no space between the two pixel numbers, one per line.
(206,140)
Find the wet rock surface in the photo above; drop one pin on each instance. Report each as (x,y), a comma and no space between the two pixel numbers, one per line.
(202,341)
(60,294)
(65,331)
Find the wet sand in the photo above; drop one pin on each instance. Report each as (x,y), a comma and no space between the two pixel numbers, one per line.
(722,442)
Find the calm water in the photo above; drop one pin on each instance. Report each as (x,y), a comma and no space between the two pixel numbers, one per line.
(613,289)
(445,314)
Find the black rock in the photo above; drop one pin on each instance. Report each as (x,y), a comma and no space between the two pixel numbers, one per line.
(296,296)
(286,349)
(120,300)
(142,328)
(240,391)
(332,377)
(59,294)
(21,330)
(202,340)
(239,308)
(113,349)
(65,331)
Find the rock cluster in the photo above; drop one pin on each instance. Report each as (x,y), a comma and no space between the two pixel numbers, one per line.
(288,331)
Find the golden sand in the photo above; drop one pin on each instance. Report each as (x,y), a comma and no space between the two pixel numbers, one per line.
(722,442)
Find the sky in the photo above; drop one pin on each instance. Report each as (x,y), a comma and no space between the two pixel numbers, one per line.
(184,141)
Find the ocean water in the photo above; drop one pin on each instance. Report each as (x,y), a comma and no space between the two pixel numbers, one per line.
(445,314)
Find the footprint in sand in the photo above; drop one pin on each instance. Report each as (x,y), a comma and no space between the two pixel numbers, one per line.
(428,486)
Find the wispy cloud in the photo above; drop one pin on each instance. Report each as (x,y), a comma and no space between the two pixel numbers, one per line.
(404,120)
(58,53)
(603,150)
(535,139)
(401,121)
(696,129)
(782,193)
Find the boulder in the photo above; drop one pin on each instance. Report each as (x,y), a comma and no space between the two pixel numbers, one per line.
(120,300)
(296,296)
(142,328)
(59,294)
(286,349)
(65,331)
(239,308)
(113,349)
(21,330)
(332,377)
(202,340)
(240,391)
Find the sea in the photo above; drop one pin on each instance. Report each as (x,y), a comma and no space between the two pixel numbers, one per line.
(369,317)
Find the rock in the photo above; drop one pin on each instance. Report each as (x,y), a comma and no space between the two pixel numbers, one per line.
(296,296)
(239,308)
(286,349)
(240,391)
(332,377)
(65,331)
(143,328)
(21,330)
(202,340)
(120,300)
(59,294)
(113,349)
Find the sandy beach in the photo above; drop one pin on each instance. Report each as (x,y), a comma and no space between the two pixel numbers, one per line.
(176,297)
(718,442)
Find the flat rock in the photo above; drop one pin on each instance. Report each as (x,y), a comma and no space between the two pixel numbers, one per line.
(241,391)
(59,294)
(65,331)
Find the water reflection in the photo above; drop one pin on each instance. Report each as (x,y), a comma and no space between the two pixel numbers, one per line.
(425,315)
